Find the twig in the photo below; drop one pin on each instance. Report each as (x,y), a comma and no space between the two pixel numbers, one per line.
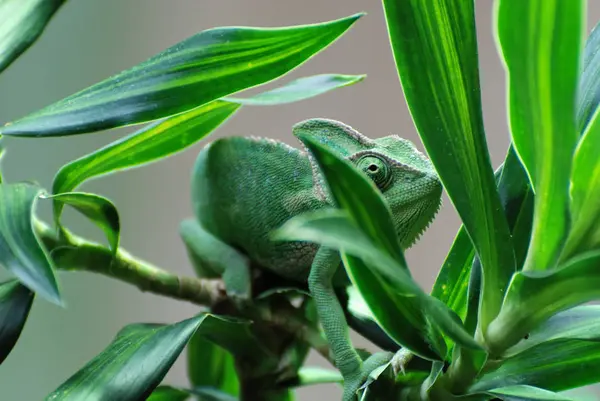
(71,252)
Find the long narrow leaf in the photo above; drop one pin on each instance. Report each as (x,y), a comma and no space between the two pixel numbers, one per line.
(533,297)
(556,365)
(168,393)
(435,49)
(356,194)
(579,323)
(211,365)
(589,83)
(526,393)
(538,38)
(98,209)
(585,192)
(205,67)
(150,144)
(15,303)
(21,23)
(299,89)
(131,367)
(390,306)
(394,286)
(20,250)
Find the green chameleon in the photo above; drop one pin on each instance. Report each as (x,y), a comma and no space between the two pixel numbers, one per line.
(245,188)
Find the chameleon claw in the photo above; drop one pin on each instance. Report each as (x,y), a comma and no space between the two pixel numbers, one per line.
(400,360)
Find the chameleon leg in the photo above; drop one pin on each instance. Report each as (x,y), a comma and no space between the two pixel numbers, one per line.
(332,319)
(212,258)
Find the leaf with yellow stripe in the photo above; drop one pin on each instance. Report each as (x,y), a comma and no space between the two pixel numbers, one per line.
(541,43)
(435,48)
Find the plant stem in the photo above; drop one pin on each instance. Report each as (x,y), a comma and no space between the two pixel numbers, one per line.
(73,253)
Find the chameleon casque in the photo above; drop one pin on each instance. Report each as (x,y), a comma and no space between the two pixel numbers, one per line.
(243,188)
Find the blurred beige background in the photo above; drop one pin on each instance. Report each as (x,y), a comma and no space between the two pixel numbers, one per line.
(89,40)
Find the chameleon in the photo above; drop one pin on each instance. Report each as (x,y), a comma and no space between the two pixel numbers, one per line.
(244,188)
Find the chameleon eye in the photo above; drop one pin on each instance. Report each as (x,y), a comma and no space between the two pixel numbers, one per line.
(377,169)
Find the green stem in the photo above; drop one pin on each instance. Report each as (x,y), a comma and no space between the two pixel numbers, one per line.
(73,253)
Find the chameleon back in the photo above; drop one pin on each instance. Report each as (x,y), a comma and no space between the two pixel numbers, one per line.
(244,188)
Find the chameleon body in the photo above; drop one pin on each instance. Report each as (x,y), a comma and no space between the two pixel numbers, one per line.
(245,188)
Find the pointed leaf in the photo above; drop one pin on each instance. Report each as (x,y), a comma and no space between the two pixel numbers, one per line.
(15,303)
(365,203)
(361,319)
(458,282)
(21,23)
(211,394)
(308,376)
(384,284)
(168,393)
(299,89)
(538,38)
(533,297)
(585,191)
(20,250)
(526,393)
(134,363)
(578,323)
(557,365)
(435,49)
(2,152)
(98,209)
(151,143)
(211,365)
(207,66)
(589,82)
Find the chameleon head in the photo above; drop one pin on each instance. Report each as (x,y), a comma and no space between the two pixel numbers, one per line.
(405,177)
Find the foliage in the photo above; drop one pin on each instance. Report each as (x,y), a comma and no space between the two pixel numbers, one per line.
(505,318)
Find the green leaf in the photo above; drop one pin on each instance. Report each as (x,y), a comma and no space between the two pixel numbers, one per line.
(299,89)
(556,365)
(533,297)
(452,281)
(168,393)
(585,191)
(385,285)
(527,393)
(457,282)
(435,49)
(310,375)
(589,82)
(211,365)
(2,153)
(367,208)
(98,209)
(207,66)
(538,38)
(578,323)
(151,143)
(361,319)
(21,252)
(132,365)
(15,303)
(21,24)
(211,394)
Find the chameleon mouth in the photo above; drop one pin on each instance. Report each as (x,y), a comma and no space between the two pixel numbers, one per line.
(421,218)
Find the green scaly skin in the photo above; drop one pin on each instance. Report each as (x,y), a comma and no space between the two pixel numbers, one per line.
(244,188)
